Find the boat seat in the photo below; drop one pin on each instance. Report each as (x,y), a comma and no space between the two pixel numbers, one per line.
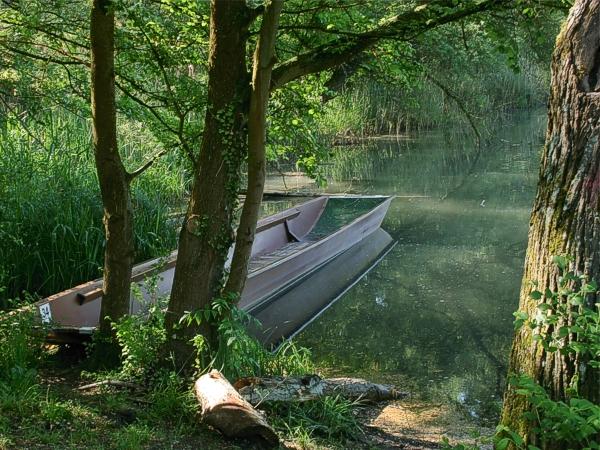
(265,259)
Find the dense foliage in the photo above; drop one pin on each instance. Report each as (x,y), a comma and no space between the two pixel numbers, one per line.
(50,211)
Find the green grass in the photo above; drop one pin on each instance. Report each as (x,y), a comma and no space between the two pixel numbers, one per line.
(40,406)
(51,233)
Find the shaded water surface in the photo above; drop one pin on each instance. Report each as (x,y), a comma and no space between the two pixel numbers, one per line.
(435,317)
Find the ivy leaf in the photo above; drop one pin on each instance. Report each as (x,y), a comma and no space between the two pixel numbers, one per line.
(535,295)
(563,332)
(502,444)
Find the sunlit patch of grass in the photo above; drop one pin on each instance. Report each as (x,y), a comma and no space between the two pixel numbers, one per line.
(133,437)
(329,418)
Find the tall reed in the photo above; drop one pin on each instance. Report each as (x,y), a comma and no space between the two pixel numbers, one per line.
(51,234)
(371,107)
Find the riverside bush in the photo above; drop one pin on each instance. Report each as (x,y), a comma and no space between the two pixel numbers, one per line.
(566,311)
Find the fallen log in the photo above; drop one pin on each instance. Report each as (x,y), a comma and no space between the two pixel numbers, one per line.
(226,410)
(257,390)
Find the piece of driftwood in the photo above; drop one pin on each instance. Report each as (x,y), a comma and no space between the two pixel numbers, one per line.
(226,410)
(116,383)
(310,387)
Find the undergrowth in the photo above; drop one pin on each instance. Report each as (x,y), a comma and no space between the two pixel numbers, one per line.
(39,409)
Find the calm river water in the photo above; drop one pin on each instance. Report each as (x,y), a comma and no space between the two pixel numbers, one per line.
(435,316)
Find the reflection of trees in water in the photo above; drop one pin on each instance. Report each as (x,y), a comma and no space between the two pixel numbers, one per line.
(439,306)
(419,340)
(418,168)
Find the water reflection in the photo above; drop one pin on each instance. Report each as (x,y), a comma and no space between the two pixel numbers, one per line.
(436,315)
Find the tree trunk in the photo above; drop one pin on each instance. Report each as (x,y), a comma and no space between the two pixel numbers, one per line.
(566,212)
(264,59)
(207,234)
(113,178)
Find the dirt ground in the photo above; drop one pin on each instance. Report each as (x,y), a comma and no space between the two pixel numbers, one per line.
(416,425)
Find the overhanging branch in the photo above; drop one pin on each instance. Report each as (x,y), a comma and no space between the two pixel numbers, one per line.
(402,27)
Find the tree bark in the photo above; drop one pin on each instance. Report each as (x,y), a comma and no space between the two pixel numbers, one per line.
(226,410)
(207,233)
(566,212)
(264,58)
(113,178)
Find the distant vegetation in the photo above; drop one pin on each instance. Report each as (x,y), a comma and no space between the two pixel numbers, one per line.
(441,85)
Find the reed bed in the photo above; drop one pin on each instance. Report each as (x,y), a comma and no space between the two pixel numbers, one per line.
(374,107)
(51,234)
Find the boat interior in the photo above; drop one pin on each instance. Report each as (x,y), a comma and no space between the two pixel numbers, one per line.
(294,229)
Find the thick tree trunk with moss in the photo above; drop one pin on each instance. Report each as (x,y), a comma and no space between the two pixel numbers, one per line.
(113,178)
(264,59)
(566,213)
(207,232)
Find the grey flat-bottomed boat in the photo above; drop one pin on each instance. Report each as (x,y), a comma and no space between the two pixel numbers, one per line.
(284,252)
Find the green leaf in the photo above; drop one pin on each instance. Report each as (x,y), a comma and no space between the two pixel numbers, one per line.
(561,261)
(502,444)
(563,332)
(577,300)
(535,295)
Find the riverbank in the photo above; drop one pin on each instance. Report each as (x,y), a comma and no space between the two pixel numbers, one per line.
(113,417)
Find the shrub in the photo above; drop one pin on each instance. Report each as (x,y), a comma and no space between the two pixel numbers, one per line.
(142,335)
(237,354)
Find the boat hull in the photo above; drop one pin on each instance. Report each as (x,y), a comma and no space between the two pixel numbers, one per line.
(77,310)
(263,283)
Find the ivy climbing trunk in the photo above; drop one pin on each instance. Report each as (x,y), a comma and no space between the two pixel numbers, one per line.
(264,59)
(114,179)
(566,213)
(207,234)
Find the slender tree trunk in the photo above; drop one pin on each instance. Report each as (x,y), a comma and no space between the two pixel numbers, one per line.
(566,213)
(207,232)
(114,180)
(264,59)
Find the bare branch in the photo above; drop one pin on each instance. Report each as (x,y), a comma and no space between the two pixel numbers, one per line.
(140,170)
(460,105)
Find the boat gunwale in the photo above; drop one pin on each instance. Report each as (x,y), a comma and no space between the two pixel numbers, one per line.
(171,258)
(88,289)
